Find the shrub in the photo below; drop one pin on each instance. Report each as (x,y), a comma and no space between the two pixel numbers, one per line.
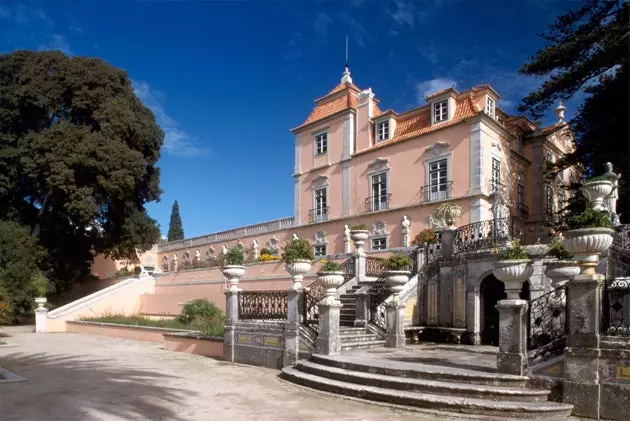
(515,251)
(589,218)
(200,308)
(41,284)
(268,258)
(330,266)
(124,273)
(426,236)
(397,261)
(558,251)
(234,256)
(209,326)
(265,251)
(137,270)
(298,249)
(6,308)
(358,227)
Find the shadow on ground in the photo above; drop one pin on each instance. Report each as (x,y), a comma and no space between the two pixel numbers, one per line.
(64,388)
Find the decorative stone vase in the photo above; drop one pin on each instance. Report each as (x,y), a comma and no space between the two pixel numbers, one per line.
(359,237)
(586,244)
(297,270)
(234,273)
(513,273)
(40,303)
(330,281)
(451,214)
(561,271)
(596,191)
(396,280)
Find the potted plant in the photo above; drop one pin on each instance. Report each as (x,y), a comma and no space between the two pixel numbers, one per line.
(397,271)
(448,212)
(359,233)
(298,255)
(426,236)
(513,268)
(563,266)
(331,277)
(232,267)
(42,287)
(589,235)
(595,189)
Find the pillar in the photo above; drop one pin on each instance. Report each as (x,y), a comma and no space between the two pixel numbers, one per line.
(448,239)
(361,316)
(231,317)
(473,315)
(328,341)
(359,265)
(581,357)
(512,356)
(41,319)
(395,335)
(292,327)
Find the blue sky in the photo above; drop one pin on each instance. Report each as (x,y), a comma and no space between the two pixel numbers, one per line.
(228,79)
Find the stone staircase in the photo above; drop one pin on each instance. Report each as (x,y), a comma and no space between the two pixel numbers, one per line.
(426,386)
(349,309)
(359,338)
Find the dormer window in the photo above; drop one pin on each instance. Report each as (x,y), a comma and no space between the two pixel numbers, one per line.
(440,111)
(382,131)
(321,143)
(490,107)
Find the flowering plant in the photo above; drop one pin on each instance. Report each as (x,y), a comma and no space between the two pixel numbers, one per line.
(515,251)
(268,258)
(330,266)
(426,236)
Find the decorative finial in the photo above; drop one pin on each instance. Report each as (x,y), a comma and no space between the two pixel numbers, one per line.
(560,109)
(346,74)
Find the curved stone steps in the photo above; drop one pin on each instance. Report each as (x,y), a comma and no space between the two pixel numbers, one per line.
(437,387)
(522,410)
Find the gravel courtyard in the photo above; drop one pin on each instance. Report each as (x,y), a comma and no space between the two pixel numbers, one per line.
(74,377)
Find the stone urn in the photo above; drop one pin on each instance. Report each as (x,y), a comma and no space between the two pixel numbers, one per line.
(596,191)
(297,270)
(586,244)
(234,273)
(40,302)
(330,281)
(561,271)
(513,273)
(396,280)
(359,237)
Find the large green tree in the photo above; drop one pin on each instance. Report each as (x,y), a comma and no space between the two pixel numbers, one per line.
(587,52)
(78,153)
(175,228)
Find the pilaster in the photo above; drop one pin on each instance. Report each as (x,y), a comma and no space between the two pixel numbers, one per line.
(292,327)
(231,318)
(328,341)
(512,356)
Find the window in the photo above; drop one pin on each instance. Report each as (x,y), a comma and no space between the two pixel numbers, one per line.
(490,107)
(321,143)
(549,201)
(440,111)
(383,130)
(520,200)
(320,251)
(321,206)
(496,174)
(379,243)
(380,198)
(438,180)
(519,142)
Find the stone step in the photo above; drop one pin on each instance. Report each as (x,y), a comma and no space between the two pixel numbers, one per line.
(348,312)
(467,390)
(504,409)
(418,370)
(347,346)
(358,338)
(345,331)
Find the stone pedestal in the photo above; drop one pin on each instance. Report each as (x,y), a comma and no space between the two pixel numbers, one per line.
(512,356)
(448,239)
(359,265)
(581,357)
(41,318)
(231,317)
(292,328)
(361,315)
(328,341)
(395,334)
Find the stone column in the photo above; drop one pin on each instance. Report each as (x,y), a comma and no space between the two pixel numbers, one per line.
(231,317)
(41,319)
(448,239)
(292,327)
(328,341)
(359,265)
(361,317)
(395,335)
(512,356)
(581,357)
(473,315)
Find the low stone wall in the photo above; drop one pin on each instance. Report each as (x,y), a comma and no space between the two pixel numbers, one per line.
(136,333)
(191,343)
(614,375)
(259,342)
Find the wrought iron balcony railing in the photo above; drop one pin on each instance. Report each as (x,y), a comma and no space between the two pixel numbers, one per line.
(318,215)
(375,203)
(435,192)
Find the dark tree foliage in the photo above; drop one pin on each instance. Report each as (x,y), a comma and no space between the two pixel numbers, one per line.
(588,51)
(78,153)
(175,227)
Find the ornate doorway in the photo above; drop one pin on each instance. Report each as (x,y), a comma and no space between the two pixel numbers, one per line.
(492,290)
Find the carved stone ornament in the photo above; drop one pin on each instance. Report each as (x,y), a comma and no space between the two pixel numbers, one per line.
(437,149)
(320,237)
(320,181)
(379,164)
(210,252)
(273,243)
(379,228)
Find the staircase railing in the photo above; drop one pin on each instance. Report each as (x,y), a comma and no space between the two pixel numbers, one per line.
(378,293)
(482,235)
(374,266)
(616,307)
(263,305)
(547,325)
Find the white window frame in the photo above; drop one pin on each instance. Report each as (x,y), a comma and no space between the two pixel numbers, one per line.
(378,207)
(440,111)
(320,215)
(427,175)
(321,137)
(490,106)
(382,131)
(320,247)
(495,174)
(379,239)
(441,188)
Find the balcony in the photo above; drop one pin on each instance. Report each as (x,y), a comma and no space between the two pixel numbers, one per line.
(318,215)
(375,203)
(434,192)
(522,211)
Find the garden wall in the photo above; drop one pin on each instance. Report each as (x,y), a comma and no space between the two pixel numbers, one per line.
(136,333)
(191,343)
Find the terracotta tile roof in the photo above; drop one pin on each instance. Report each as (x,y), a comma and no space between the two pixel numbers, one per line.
(440,92)
(327,107)
(340,88)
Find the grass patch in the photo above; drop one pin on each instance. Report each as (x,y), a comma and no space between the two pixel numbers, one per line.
(207,327)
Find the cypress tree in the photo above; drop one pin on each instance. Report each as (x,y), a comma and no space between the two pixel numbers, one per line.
(175,228)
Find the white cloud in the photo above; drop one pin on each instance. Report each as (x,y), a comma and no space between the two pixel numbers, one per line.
(430,86)
(322,22)
(404,13)
(57,42)
(176,141)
